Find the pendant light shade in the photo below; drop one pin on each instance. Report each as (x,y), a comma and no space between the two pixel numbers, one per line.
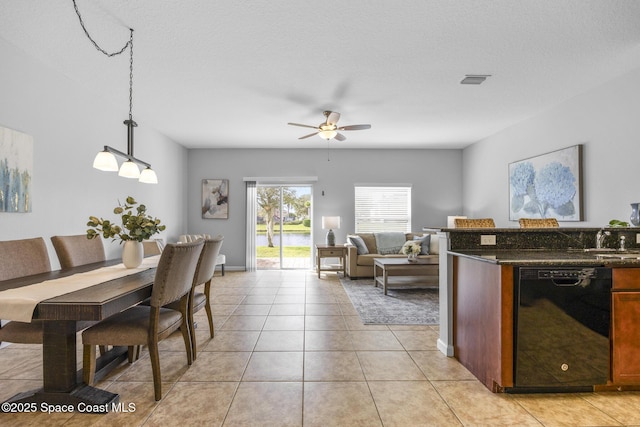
(148,176)
(129,170)
(105,161)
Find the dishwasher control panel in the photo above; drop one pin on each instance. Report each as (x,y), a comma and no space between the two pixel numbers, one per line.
(582,273)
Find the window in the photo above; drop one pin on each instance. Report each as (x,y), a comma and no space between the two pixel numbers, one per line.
(383,208)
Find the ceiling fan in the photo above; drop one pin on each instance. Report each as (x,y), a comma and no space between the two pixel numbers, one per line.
(329,129)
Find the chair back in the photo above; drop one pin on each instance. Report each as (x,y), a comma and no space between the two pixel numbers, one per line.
(538,223)
(23,258)
(78,250)
(151,247)
(207,263)
(175,272)
(474,223)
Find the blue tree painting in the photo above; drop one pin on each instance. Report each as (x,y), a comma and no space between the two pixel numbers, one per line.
(547,186)
(16,170)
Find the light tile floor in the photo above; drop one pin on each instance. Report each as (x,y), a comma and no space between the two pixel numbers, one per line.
(290,350)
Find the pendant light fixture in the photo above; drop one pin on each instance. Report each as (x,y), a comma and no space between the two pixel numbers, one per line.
(105,160)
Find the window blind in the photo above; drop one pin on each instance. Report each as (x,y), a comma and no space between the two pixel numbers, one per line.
(382,208)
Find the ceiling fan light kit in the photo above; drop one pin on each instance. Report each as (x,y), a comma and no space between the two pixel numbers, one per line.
(329,128)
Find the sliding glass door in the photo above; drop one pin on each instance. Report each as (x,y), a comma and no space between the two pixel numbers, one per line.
(283,227)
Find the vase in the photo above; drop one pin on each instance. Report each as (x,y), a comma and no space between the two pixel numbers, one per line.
(132,254)
(412,257)
(635,216)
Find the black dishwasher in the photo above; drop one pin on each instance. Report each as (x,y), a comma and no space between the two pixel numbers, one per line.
(562,317)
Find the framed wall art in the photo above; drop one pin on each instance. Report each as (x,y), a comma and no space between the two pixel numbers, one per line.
(16,170)
(547,186)
(215,198)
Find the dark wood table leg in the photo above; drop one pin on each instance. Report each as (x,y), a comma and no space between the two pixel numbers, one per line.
(59,356)
(62,381)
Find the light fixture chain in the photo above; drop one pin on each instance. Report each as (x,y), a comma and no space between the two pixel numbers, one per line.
(94,42)
(131,76)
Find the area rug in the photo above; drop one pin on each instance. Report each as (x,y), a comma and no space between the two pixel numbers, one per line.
(400,306)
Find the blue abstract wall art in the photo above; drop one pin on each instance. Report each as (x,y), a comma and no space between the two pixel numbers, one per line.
(16,170)
(547,186)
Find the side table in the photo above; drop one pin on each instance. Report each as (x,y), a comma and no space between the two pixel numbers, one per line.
(326,251)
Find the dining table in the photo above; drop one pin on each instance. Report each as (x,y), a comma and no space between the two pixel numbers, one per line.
(62,315)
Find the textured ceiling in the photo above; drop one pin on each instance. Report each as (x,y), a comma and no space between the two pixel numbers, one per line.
(231,73)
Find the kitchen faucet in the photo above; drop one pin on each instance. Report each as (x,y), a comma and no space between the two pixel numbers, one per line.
(600,238)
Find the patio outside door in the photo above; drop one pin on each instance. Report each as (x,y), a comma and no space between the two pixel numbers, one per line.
(283,227)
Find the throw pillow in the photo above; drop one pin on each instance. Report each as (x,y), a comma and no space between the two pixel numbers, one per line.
(359,244)
(425,241)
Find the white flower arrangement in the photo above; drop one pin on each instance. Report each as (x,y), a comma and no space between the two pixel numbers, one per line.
(411,248)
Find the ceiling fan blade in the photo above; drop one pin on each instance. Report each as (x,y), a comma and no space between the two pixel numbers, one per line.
(333,118)
(340,137)
(307,136)
(354,127)
(304,126)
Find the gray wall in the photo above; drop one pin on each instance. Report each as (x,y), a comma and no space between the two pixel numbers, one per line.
(435,175)
(606,120)
(69,126)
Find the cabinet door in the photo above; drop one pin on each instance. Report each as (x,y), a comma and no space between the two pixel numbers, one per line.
(626,338)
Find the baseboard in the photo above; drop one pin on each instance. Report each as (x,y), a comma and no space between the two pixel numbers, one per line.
(445,349)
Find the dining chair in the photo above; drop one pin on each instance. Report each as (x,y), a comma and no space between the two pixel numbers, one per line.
(147,325)
(203,275)
(77,250)
(538,223)
(151,247)
(23,258)
(474,223)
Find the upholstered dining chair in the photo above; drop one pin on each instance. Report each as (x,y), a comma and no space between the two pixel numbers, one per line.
(77,250)
(220,261)
(474,223)
(23,258)
(147,325)
(203,275)
(151,247)
(538,223)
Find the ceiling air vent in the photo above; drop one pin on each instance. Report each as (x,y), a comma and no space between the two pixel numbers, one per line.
(474,79)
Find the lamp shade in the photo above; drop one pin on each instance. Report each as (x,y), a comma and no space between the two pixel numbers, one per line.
(148,176)
(105,161)
(331,222)
(129,170)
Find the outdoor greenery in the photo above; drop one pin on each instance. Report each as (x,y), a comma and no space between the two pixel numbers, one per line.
(269,201)
(287,252)
(287,228)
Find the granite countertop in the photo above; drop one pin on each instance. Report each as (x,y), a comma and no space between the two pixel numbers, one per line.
(553,257)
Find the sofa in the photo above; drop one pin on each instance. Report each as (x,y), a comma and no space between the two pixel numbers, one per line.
(359,259)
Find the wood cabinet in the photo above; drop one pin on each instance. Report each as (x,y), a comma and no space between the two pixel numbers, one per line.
(483,326)
(483,320)
(625,327)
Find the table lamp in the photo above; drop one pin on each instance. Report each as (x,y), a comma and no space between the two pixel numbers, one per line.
(331,222)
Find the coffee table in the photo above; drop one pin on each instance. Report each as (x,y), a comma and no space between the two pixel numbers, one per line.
(399,271)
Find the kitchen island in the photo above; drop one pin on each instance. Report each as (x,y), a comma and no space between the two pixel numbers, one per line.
(479,304)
